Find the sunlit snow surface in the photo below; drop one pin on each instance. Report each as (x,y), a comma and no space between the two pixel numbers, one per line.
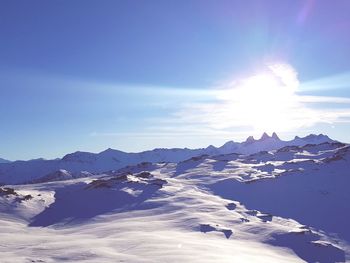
(287,205)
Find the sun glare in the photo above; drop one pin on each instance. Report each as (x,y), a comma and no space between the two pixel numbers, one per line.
(264,101)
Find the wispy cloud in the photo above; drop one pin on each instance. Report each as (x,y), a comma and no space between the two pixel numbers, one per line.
(265,102)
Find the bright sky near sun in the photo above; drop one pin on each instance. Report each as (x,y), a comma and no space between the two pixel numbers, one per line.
(135,75)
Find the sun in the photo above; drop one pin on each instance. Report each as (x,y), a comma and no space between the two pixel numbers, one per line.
(265,101)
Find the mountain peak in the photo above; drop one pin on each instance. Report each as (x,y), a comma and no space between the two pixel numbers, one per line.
(211,147)
(250,139)
(275,136)
(229,143)
(110,152)
(317,138)
(264,136)
(313,139)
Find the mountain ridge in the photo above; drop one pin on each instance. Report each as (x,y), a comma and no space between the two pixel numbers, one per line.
(110,159)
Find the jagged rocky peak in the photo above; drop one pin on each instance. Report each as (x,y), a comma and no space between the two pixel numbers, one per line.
(264,136)
(250,139)
(275,136)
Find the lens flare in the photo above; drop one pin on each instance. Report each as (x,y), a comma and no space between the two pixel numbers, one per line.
(265,101)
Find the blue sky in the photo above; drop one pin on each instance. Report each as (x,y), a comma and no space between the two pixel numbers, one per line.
(135,75)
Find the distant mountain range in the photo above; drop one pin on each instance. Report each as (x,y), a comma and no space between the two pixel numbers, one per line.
(110,159)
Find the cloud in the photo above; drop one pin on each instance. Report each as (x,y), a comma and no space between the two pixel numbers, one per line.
(267,101)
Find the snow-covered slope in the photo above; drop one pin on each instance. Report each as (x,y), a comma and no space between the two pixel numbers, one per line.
(24,171)
(60,175)
(4,161)
(285,205)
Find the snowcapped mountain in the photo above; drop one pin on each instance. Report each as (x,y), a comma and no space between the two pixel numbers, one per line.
(268,143)
(289,204)
(60,175)
(27,171)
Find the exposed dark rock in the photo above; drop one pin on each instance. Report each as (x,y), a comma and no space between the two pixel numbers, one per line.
(7,191)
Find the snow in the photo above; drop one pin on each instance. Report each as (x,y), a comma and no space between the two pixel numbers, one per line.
(166,228)
(4,160)
(287,205)
(26,171)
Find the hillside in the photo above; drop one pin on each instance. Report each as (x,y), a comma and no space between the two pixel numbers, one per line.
(284,205)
